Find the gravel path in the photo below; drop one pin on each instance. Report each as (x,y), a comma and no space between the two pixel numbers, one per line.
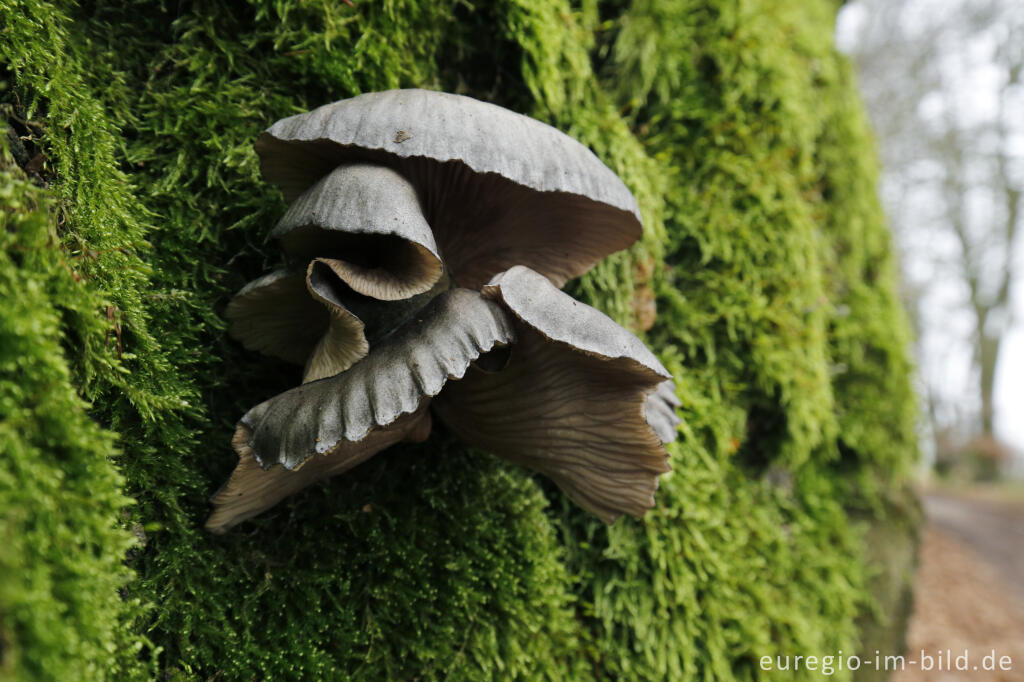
(969,590)
(995,530)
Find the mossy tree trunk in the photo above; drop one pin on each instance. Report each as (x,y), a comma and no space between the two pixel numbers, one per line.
(141,210)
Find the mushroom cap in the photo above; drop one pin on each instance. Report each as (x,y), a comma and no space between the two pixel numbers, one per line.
(326,427)
(345,342)
(251,489)
(563,319)
(395,379)
(370,217)
(571,403)
(660,411)
(498,188)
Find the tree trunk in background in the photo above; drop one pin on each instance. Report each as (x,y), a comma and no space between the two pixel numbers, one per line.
(988,347)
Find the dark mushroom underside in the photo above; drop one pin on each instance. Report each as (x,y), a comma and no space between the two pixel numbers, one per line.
(576,418)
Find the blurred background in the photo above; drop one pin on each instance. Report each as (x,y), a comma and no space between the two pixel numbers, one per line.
(943,81)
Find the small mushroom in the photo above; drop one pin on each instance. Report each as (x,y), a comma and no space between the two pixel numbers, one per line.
(371,215)
(571,402)
(338,422)
(498,189)
(370,218)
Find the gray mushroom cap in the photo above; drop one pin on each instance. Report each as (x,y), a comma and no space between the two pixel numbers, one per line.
(660,411)
(563,319)
(368,218)
(393,380)
(326,427)
(252,489)
(498,188)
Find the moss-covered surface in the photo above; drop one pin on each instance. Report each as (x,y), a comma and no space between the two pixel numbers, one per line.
(736,125)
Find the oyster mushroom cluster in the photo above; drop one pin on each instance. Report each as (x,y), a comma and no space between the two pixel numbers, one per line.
(430,235)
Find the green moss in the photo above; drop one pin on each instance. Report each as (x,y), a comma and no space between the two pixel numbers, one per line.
(60,496)
(740,134)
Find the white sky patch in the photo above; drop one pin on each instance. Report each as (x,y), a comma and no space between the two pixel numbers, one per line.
(915,204)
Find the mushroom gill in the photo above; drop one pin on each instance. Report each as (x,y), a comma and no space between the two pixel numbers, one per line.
(276,316)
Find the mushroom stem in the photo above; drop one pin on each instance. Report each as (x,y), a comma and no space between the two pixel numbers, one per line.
(381,318)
